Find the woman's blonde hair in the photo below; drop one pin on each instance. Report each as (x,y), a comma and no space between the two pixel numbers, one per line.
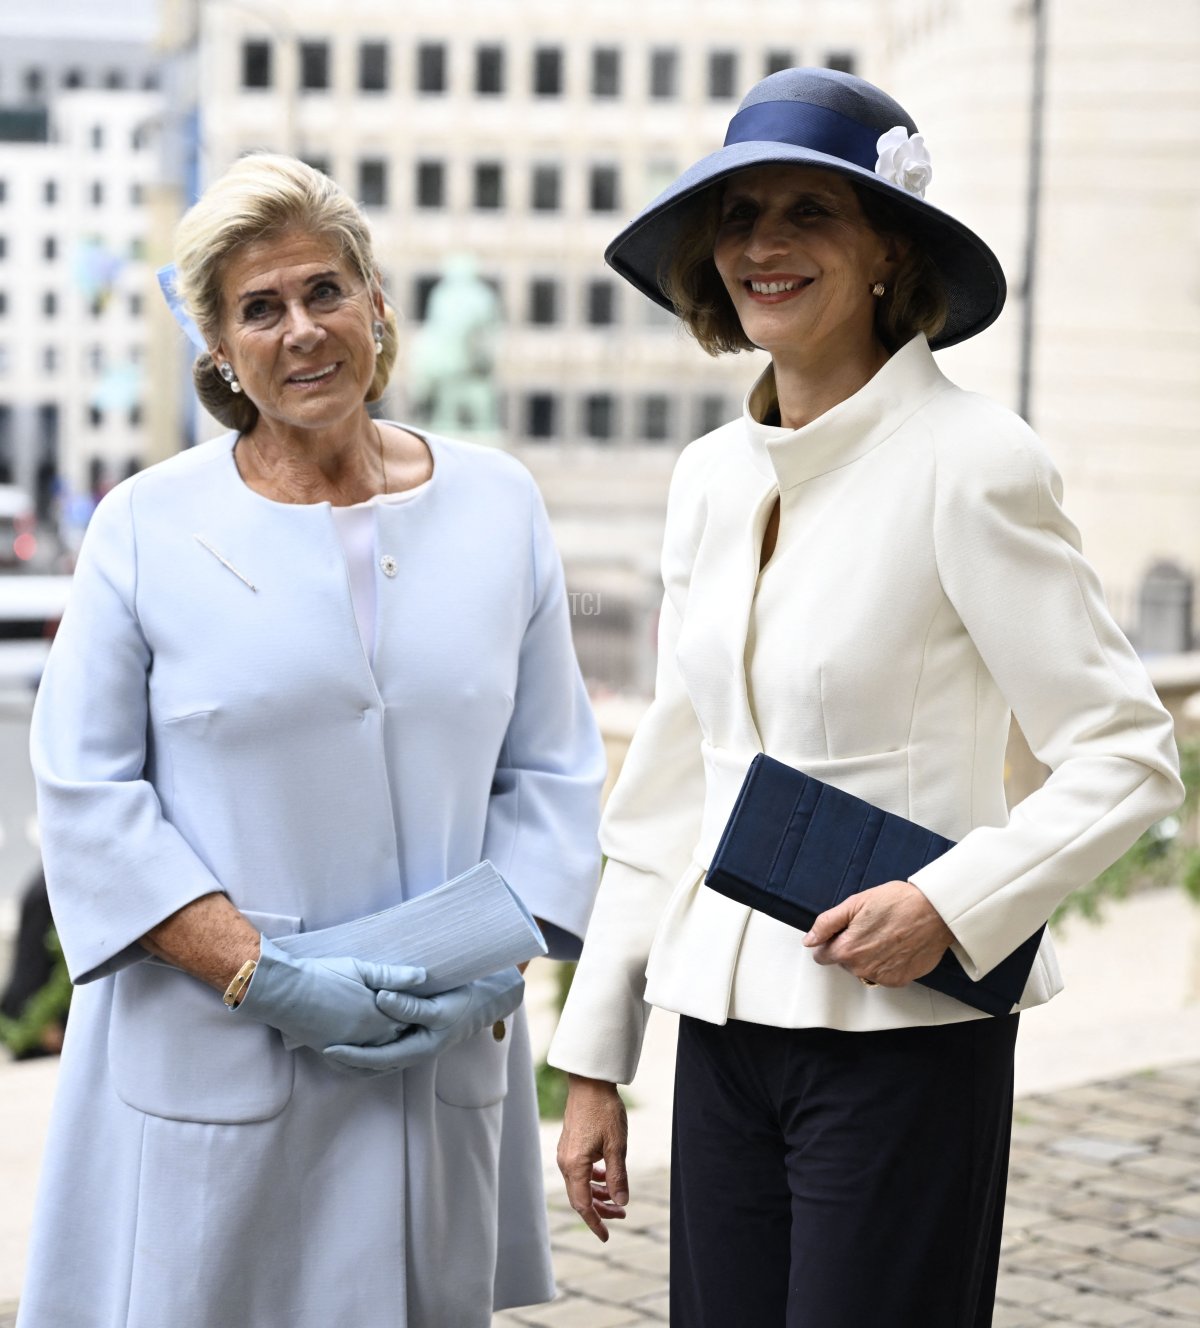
(259,196)
(915,300)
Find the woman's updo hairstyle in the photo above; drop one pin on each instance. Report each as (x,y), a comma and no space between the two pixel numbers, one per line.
(262,195)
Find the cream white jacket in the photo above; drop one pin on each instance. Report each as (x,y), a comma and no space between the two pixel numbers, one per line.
(925,580)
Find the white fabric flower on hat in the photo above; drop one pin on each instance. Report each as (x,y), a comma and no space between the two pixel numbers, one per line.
(904,160)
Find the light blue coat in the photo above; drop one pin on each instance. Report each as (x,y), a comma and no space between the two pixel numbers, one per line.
(209,720)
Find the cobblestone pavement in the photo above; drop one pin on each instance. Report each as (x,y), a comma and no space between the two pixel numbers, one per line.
(1102,1225)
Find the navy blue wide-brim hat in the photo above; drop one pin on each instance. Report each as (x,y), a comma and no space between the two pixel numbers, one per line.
(832,120)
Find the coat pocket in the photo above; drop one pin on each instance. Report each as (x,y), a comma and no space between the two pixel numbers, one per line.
(175,1051)
(475,1072)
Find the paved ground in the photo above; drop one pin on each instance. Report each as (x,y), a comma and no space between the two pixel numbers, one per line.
(1102,1228)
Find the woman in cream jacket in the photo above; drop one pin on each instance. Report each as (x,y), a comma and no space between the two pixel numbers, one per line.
(864,575)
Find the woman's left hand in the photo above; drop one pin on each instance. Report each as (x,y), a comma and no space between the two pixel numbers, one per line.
(890,935)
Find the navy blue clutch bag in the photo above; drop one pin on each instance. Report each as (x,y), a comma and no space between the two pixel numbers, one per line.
(794,846)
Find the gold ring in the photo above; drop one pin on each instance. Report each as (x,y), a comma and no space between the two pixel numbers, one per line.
(868,982)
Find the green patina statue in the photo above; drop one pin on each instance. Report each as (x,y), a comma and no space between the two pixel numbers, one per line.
(453,355)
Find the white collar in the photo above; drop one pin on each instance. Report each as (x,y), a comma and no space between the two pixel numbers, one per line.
(848,430)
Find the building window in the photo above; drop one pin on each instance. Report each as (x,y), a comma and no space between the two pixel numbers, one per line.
(96,359)
(431,184)
(256,64)
(777,60)
(34,81)
(314,66)
(840,60)
(606,72)
(541,415)
(47,419)
(73,78)
(603,191)
(150,81)
(318,163)
(49,359)
(545,191)
(664,73)
(97,137)
(431,67)
(114,80)
(50,192)
(489,185)
(49,304)
(136,194)
(3,191)
(422,289)
(372,182)
(543,302)
(655,417)
(599,415)
(711,414)
(135,305)
(3,303)
(722,74)
(548,71)
(373,67)
(489,70)
(601,303)
(95,417)
(3,246)
(135,420)
(97,193)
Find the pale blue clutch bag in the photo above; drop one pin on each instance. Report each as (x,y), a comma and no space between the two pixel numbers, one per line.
(465,929)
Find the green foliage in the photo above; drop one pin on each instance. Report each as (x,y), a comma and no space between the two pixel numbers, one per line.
(552,1083)
(551,1092)
(46,1007)
(1167,854)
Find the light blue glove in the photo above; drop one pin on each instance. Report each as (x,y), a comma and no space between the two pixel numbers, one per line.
(322,1002)
(448,1018)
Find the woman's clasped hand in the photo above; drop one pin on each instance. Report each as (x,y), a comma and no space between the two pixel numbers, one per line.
(366,1017)
(890,935)
(433,1024)
(319,1003)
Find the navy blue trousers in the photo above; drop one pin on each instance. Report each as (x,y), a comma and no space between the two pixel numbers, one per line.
(824,1179)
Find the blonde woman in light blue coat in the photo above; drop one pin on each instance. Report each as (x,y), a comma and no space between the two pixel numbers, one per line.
(310,669)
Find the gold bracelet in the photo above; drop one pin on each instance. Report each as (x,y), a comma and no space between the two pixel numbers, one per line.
(241,980)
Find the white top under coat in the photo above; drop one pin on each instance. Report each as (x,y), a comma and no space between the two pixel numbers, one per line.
(356,529)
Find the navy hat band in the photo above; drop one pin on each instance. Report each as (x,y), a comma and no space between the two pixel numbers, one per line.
(806,126)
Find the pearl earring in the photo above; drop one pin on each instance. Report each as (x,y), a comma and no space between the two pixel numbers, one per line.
(226,372)
(377,330)
(878,289)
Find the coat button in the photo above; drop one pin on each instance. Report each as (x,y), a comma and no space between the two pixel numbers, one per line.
(498,1030)
(388,565)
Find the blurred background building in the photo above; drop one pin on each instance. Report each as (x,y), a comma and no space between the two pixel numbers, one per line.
(1067,132)
(76,114)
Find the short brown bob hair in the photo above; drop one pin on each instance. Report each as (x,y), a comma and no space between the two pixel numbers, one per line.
(914,302)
